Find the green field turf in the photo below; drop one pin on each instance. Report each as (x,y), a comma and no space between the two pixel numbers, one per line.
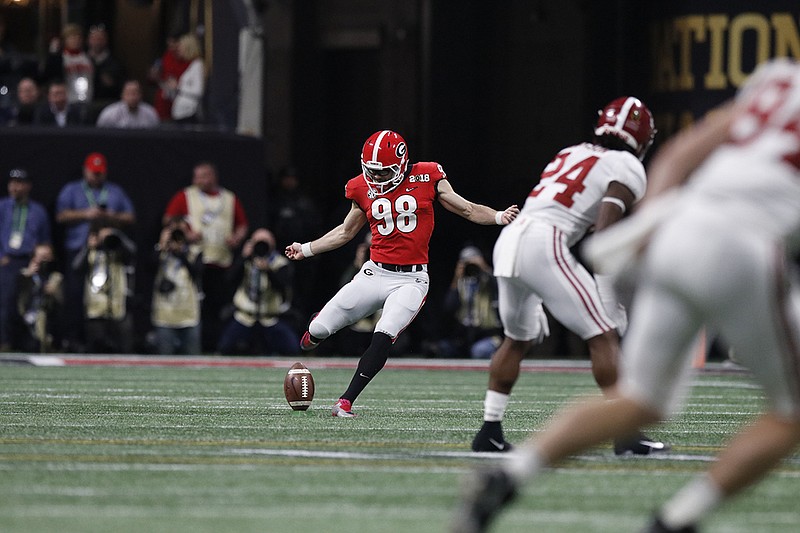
(184,449)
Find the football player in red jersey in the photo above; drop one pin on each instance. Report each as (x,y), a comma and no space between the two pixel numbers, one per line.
(591,184)
(396,199)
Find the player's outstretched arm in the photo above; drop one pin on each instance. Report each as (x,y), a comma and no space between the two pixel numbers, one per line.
(338,236)
(683,153)
(477,213)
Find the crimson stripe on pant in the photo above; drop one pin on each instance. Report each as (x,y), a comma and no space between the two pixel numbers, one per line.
(583,293)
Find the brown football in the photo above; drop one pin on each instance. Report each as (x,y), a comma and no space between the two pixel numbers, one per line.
(298,386)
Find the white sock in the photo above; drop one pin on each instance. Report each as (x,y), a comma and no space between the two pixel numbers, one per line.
(523,463)
(691,503)
(494,406)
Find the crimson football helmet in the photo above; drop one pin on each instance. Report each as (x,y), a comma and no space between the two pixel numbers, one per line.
(384,160)
(630,120)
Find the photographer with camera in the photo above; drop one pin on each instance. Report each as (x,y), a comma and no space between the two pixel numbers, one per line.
(108,272)
(472,301)
(175,310)
(24,224)
(39,297)
(92,199)
(262,298)
(218,224)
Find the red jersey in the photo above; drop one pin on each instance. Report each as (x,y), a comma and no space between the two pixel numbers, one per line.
(401,221)
(172,66)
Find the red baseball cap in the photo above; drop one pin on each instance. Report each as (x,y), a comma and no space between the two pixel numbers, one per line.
(95,162)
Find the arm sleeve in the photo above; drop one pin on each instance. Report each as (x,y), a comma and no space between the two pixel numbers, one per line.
(64,200)
(126,205)
(239,216)
(177,206)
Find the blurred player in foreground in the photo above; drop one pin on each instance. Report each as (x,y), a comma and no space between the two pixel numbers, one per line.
(396,199)
(717,253)
(592,184)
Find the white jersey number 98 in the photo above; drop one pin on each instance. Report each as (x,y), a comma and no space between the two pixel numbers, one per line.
(405,219)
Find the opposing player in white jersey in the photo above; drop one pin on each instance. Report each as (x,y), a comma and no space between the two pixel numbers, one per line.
(592,184)
(721,256)
(396,198)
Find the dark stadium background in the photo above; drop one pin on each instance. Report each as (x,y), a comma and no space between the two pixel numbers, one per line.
(488,89)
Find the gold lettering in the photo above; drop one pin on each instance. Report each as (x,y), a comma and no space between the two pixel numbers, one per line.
(715,77)
(664,76)
(787,41)
(690,29)
(732,44)
(739,25)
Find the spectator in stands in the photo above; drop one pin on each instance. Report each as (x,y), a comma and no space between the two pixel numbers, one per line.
(263,296)
(80,203)
(106,262)
(23,225)
(26,103)
(68,61)
(190,87)
(175,310)
(130,111)
(108,72)
(57,111)
(165,72)
(39,298)
(218,223)
(472,300)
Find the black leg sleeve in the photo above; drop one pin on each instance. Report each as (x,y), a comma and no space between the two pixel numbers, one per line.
(369,365)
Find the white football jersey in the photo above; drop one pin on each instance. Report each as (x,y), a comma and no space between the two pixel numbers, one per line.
(755,179)
(573,183)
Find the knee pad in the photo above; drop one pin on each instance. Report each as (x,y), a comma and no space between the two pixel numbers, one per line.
(319,330)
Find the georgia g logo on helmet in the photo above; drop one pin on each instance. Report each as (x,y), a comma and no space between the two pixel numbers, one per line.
(384,161)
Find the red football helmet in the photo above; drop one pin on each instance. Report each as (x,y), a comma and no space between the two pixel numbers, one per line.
(384,160)
(630,120)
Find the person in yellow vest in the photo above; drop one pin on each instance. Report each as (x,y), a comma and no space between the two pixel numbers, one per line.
(39,298)
(218,225)
(263,296)
(472,303)
(175,312)
(107,260)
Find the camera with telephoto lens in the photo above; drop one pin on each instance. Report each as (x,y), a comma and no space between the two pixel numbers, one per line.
(262,249)
(166,286)
(45,268)
(471,270)
(111,242)
(177,235)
